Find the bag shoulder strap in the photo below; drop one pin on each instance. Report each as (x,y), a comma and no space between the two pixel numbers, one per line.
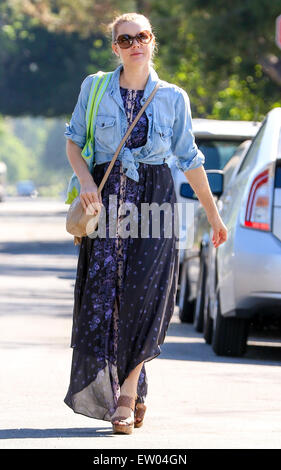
(98,87)
(106,175)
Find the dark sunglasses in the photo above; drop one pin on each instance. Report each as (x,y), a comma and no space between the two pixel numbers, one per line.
(125,40)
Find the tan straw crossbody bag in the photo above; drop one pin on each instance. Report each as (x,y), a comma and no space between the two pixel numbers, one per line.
(79,222)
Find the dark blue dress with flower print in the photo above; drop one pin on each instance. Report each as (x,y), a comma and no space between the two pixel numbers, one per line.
(125,288)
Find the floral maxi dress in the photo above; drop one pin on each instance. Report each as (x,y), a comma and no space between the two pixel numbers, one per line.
(125,288)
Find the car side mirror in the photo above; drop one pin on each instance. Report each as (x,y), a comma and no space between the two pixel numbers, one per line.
(215,179)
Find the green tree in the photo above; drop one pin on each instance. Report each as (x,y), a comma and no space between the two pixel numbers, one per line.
(47,49)
(222,53)
(219,52)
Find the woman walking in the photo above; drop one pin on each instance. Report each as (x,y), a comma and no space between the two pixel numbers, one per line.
(125,287)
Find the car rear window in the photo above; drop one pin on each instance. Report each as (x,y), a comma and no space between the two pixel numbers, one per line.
(217,152)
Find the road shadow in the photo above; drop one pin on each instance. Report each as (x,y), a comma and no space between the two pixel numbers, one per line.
(194,348)
(32,433)
(62,247)
(61,273)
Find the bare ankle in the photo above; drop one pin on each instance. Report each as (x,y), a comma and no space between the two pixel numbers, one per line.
(129,386)
(128,389)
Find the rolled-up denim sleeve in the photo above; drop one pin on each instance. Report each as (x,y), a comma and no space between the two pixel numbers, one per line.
(183,142)
(76,129)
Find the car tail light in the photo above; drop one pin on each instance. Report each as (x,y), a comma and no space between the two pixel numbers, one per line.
(259,203)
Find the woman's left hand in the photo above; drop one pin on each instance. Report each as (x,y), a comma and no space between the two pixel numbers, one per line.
(219,232)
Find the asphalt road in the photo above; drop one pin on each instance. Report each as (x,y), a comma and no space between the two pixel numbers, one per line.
(195,399)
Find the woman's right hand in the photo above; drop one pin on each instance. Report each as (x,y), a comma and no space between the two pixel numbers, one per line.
(89,197)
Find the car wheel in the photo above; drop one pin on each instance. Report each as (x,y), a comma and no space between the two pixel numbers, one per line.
(208,325)
(186,307)
(229,334)
(199,302)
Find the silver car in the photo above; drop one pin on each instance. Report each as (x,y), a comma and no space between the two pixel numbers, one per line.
(218,140)
(241,280)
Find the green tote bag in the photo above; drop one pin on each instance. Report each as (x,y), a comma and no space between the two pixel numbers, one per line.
(98,87)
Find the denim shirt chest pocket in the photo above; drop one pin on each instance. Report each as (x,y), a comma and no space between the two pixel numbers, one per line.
(105,133)
(162,138)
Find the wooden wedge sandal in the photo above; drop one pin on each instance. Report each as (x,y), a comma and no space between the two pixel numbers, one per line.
(128,426)
(139,414)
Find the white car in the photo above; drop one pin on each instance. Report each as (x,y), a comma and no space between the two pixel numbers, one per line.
(218,140)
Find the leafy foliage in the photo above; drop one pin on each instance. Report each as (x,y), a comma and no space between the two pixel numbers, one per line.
(223,53)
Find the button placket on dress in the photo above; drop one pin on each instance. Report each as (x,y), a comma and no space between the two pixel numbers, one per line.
(129,108)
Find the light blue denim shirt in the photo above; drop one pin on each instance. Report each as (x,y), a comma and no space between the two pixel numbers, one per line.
(169,130)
